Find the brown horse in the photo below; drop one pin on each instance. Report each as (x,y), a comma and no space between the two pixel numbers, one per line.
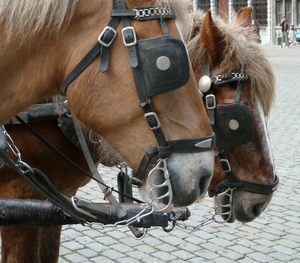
(23,238)
(41,47)
(244,176)
(41,43)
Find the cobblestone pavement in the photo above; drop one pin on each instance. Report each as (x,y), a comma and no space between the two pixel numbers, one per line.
(273,237)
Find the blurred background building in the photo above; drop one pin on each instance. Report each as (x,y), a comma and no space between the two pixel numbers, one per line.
(267,12)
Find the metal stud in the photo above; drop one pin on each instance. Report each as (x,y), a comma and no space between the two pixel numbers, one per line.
(233,124)
(163,63)
(204,83)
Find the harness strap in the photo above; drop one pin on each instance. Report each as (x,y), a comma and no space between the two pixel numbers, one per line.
(106,38)
(178,146)
(40,182)
(232,182)
(44,141)
(137,233)
(81,66)
(210,99)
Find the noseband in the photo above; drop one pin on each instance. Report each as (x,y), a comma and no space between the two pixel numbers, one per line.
(159,64)
(233,126)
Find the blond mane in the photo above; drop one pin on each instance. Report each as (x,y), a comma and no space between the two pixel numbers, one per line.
(242,51)
(27,17)
(180,8)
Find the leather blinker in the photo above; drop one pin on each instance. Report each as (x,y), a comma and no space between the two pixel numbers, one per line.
(234,125)
(164,64)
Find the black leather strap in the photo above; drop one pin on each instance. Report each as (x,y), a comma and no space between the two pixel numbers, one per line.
(232,182)
(81,66)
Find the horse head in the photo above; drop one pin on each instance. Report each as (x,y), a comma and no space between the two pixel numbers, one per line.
(144,99)
(238,86)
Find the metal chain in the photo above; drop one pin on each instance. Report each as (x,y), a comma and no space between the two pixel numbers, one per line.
(16,152)
(12,145)
(197,226)
(218,212)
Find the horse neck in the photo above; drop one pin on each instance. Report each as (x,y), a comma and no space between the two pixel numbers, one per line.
(35,69)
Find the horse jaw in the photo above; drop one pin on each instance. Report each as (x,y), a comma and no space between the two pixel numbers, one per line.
(188,182)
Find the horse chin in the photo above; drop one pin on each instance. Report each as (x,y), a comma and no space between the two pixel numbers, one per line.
(189,174)
(247,206)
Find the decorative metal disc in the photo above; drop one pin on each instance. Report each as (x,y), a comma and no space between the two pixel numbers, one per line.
(204,83)
(163,63)
(233,125)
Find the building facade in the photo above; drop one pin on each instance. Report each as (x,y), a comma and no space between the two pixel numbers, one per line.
(267,12)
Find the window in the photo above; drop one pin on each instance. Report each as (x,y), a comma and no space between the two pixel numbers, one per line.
(288,10)
(260,11)
(279,12)
(238,4)
(298,12)
(203,5)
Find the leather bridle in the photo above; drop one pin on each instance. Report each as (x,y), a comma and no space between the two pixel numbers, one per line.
(136,49)
(240,122)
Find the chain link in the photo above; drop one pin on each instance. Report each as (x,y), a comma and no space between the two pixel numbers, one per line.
(16,152)
(12,145)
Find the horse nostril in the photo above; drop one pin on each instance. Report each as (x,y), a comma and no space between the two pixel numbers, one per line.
(257,209)
(204,183)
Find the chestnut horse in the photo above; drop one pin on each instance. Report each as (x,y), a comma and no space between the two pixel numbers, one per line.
(43,46)
(34,242)
(238,85)
(42,43)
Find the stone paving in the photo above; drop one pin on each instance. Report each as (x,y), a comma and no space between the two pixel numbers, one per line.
(273,237)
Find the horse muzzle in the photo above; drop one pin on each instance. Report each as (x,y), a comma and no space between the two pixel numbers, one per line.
(180,181)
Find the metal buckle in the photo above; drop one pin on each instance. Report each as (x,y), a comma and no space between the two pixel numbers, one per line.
(152,115)
(225,165)
(105,44)
(210,101)
(131,36)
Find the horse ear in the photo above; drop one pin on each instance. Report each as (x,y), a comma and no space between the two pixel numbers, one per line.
(243,16)
(213,40)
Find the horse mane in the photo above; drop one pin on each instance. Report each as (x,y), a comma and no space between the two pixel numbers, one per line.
(180,8)
(26,18)
(242,51)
